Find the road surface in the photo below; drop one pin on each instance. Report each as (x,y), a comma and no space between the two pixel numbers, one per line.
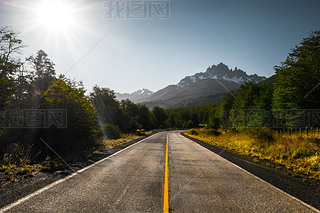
(133,179)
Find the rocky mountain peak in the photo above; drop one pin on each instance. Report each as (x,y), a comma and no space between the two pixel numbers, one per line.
(221,72)
(136,96)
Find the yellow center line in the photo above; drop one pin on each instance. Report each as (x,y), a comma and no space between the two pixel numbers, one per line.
(166,182)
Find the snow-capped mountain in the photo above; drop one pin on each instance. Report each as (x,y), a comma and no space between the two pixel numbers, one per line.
(221,72)
(201,88)
(144,92)
(137,96)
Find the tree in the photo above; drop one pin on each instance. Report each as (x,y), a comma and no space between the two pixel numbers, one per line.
(222,111)
(10,47)
(82,125)
(214,123)
(171,121)
(23,89)
(250,105)
(297,79)
(296,84)
(159,117)
(144,117)
(195,119)
(43,71)
(130,114)
(108,108)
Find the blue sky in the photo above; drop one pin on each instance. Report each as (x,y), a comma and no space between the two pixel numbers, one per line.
(130,54)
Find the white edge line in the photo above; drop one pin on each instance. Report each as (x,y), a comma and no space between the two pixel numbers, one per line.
(39,191)
(289,195)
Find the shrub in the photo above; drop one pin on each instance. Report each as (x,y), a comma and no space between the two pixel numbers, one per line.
(43,168)
(213,132)
(2,168)
(231,131)
(140,132)
(301,153)
(193,132)
(7,168)
(214,123)
(10,178)
(188,124)
(111,131)
(263,136)
(25,170)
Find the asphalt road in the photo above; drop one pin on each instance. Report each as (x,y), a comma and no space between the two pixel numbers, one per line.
(133,181)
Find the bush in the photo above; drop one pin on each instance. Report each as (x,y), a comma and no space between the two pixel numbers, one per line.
(301,153)
(193,132)
(214,123)
(187,124)
(263,136)
(140,132)
(110,131)
(213,132)
(232,131)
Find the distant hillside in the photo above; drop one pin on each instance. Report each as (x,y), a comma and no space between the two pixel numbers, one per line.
(201,88)
(175,96)
(196,101)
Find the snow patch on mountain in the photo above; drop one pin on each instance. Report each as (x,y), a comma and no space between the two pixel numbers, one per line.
(137,96)
(221,72)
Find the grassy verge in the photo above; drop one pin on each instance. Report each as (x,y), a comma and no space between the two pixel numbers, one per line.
(296,153)
(111,144)
(13,171)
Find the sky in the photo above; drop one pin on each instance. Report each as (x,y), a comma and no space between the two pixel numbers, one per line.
(91,41)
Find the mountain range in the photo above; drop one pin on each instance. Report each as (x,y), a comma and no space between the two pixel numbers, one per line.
(201,88)
(136,97)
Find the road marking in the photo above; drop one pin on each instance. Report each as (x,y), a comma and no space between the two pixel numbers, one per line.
(166,182)
(10,206)
(272,186)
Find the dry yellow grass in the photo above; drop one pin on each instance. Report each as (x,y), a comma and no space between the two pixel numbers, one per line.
(124,138)
(299,154)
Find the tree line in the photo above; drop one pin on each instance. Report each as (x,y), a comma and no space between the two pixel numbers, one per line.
(32,84)
(31,93)
(289,99)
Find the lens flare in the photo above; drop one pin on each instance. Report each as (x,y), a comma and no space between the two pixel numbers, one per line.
(55,16)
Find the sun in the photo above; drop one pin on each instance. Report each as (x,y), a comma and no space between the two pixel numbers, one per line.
(55,15)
